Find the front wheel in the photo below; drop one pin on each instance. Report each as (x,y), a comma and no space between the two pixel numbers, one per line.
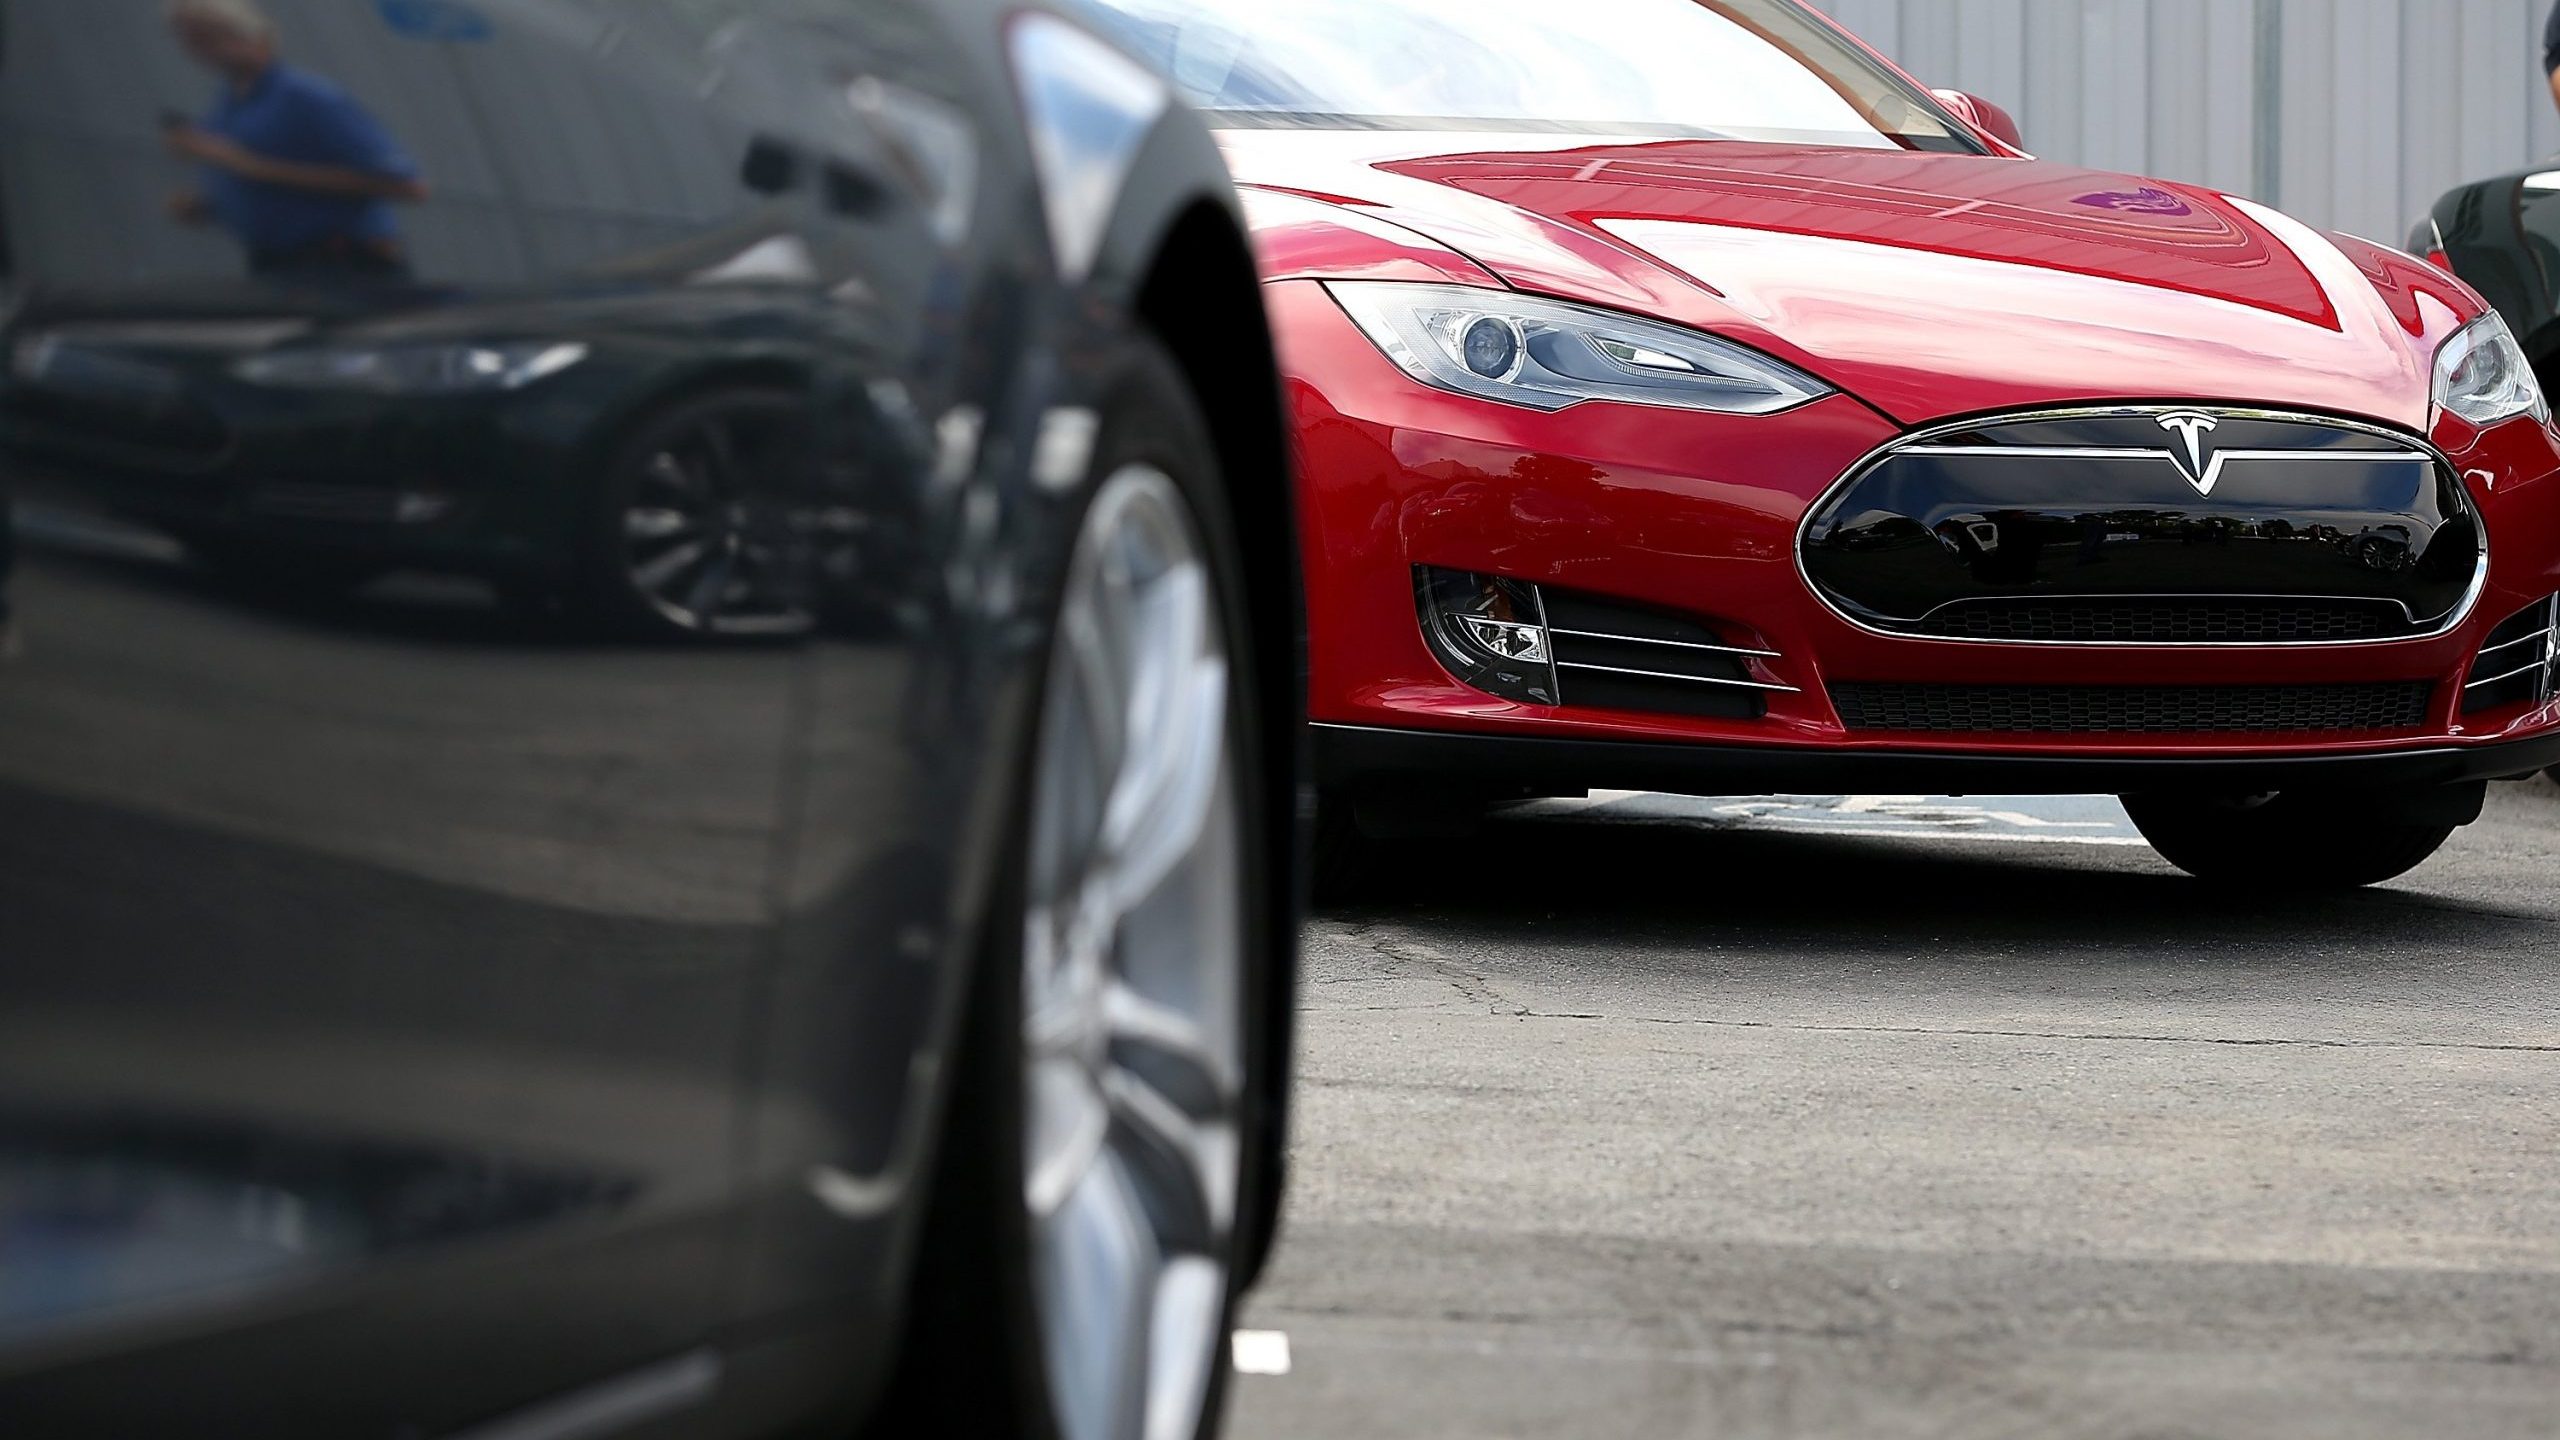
(1087,1233)
(2303,840)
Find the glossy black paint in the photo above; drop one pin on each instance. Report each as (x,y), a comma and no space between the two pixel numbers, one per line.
(2097,509)
(2502,236)
(414,1008)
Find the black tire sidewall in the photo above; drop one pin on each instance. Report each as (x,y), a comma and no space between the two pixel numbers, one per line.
(2286,843)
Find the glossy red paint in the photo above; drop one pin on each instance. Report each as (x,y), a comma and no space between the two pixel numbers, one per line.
(1988,122)
(1925,287)
(1928,285)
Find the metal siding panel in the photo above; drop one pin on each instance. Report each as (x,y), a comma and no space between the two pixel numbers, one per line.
(2181,123)
(2386,104)
(2307,185)
(1991,46)
(2430,111)
(2053,99)
(2115,47)
(2229,67)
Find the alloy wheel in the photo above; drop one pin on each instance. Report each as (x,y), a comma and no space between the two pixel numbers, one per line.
(1133,961)
(701,546)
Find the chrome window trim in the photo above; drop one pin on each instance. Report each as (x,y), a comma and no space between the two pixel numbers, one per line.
(1919,440)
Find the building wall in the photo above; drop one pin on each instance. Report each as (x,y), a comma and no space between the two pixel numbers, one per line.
(2352,114)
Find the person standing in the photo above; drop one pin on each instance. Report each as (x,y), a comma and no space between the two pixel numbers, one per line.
(294,169)
(2551,52)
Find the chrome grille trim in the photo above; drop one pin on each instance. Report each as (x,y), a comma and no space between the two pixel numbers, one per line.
(1683,679)
(1674,644)
(1919,440)
(2544,666)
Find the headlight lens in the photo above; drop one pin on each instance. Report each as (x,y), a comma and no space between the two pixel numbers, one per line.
(1548,355)
(462,369)
(2483,376)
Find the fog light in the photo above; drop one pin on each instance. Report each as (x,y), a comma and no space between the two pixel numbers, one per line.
(1524,643)
(1489,632)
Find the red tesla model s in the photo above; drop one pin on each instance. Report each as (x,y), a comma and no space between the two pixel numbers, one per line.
(1688,400)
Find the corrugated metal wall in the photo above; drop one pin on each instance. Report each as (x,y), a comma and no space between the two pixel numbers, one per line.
(2352,114)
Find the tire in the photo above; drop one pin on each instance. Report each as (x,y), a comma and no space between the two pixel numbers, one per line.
(1070,1280)
(689,535)
(2294,841)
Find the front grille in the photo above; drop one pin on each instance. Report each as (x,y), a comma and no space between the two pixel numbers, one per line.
(2201,621)
(2149,526)
(2133,709)
(2519,664)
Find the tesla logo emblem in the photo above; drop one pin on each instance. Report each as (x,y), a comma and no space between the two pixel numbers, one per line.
(2192,426)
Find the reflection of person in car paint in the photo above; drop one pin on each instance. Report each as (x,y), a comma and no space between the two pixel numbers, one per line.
(2551,52)
(294,168)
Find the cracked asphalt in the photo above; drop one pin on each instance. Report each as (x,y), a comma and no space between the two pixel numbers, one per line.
(1814,1118)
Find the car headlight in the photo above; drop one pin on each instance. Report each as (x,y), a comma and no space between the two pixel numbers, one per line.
(2483,376)
(413,369)
(1548,355)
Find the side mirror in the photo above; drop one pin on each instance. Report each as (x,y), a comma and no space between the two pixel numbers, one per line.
(1984,116)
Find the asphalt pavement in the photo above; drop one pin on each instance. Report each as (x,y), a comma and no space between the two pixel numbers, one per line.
(1899,1116)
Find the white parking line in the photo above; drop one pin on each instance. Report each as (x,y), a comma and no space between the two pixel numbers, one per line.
(1262,1352)
(1990,836)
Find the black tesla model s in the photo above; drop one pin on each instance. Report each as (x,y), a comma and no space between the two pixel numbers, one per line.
(419,1018)
(2502,236)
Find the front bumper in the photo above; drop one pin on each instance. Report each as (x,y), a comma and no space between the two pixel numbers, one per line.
(1701,516)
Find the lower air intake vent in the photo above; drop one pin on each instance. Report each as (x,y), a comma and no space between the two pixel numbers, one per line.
(2133,709)
(2520,664)
(2235,621)
(1614,656)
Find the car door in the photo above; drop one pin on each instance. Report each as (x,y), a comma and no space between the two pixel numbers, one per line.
(389,825)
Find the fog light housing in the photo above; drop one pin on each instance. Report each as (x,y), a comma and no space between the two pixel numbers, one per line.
(1490,632)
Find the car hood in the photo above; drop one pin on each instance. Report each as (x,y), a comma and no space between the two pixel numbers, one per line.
(1929,285)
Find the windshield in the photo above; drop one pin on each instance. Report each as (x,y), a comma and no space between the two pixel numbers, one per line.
(1712,69)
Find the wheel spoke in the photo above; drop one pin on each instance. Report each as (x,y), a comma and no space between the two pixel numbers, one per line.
(1185,1163)
(711,587)
(658,522)
(1169,1046)
(720,446)
(1067,1124)
(656,574)
(1094,672)
(669,471)
(1163,803)
(1190,1303)
(1100,1269)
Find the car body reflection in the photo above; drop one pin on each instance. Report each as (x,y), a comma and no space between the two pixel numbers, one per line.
(633,447)
(437,982)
